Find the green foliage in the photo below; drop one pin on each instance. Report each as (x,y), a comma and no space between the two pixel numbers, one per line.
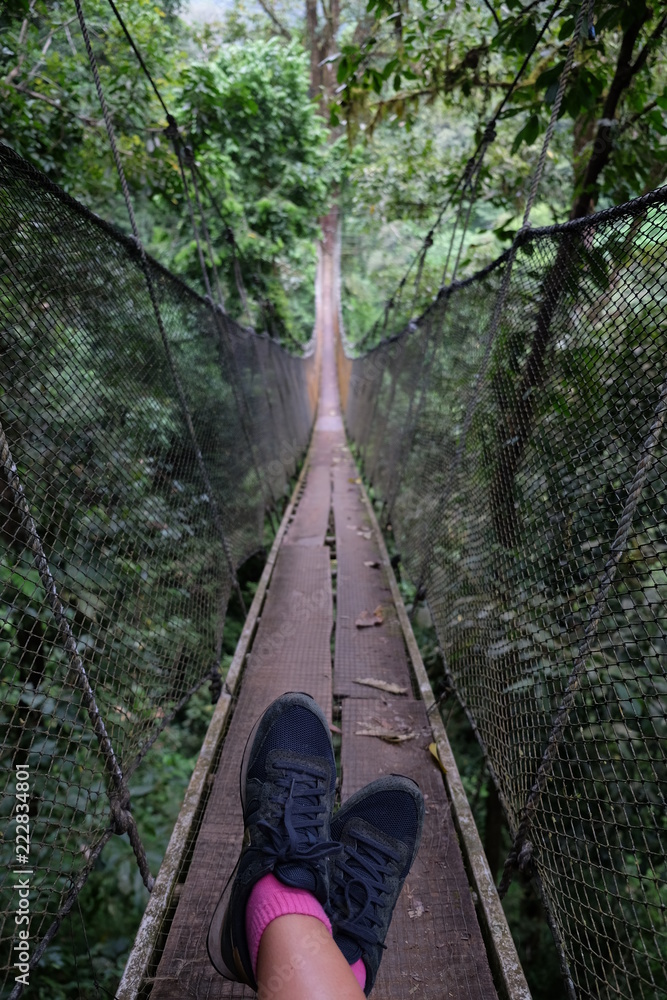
(458,53)
(244,108)
(248,116)
(50,110)
(416,90)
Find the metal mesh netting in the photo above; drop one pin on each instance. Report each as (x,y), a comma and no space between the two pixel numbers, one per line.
(526,487)
(141,555)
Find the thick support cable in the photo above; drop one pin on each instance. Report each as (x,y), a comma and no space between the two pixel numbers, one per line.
(119,797)
(172,126)
(217,520)
(522,849)
(555,111)
(471,170)
(220,314)
(501,298)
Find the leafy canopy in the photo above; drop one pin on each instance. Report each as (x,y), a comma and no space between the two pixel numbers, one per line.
(244,108)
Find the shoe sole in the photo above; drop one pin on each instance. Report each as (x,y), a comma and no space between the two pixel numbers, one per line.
(214,936)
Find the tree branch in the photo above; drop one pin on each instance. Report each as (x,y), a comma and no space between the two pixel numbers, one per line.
(266,6)
(48,100)
(487,4)
(604,139)
(640,61)
(639,114)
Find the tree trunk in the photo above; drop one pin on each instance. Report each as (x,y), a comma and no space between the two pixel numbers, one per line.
(322,35)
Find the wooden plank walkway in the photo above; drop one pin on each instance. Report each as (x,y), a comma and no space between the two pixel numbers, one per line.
(435,946)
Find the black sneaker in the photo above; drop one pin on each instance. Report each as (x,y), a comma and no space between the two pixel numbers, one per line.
(288,780)
(379,829)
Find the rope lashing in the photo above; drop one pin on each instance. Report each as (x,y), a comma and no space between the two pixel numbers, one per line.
(489,135)
(122,822)
(171,131)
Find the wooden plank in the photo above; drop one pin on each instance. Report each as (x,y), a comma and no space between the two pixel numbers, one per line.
(311,520)
(379,651)
(435,945)
(435,948)
(297,657)
(302,582)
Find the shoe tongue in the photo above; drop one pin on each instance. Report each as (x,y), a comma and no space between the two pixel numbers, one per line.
(350,948)
(296,876)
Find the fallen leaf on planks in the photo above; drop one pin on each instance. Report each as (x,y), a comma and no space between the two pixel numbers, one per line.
(369,618)
(365,534)
(372,564)
(388,735)
(433,749)
(417,909)
(381,685)
(357,480)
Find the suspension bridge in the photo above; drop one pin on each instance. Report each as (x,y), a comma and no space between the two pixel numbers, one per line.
(512,434)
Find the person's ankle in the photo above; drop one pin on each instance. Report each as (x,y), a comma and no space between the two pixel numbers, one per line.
(270,899)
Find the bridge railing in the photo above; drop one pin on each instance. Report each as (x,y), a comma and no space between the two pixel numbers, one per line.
(135,478)
(514,433)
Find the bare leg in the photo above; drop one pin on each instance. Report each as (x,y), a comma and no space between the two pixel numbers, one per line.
(299,960)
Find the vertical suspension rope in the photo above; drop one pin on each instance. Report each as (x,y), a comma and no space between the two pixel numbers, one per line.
(217,520)
(218,310)
(119,798)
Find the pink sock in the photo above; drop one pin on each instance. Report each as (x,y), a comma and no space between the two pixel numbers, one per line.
(270,899)
(359,970)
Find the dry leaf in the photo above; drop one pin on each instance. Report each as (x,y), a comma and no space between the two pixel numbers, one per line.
(369,618)
(335,729)
(417,909)
(386,734)
(365,534)
(433,749)
(381,685)
(357,480)
(372,564)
